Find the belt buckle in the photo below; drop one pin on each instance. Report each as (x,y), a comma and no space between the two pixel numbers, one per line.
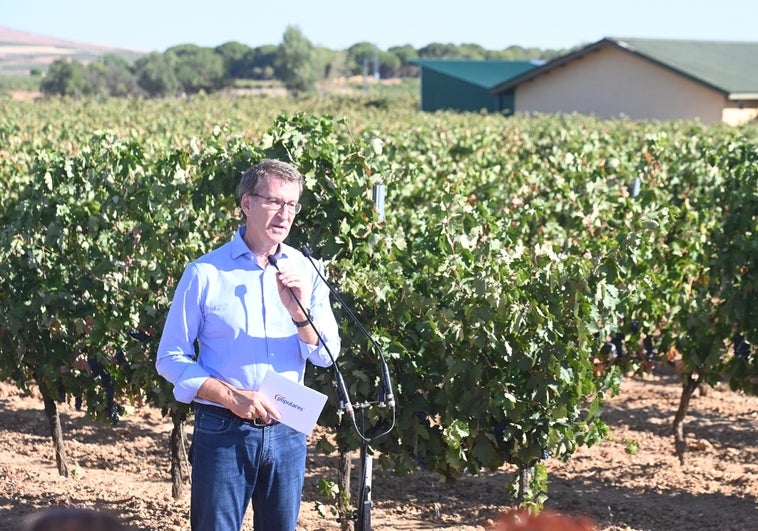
(260,422)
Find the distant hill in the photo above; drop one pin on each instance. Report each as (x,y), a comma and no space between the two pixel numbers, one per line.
(21,51)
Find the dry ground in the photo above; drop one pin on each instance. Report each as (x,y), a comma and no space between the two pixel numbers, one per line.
(125,470)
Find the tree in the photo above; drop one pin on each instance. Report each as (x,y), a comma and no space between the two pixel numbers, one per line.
(329,64)
(198,69)
(259,62)
(294,64)
(405,54)
(473,51)
(438,50)
(389,65)
(112,75)
(183,49)
(234,55)
(66,78)
(362,57)
(156,75)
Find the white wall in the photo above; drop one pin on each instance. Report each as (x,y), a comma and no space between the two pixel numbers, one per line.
(739,114)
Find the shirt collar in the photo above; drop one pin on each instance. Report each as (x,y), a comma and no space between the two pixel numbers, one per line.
(240,248)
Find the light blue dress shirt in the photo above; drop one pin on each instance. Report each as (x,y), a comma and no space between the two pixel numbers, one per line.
(229,306)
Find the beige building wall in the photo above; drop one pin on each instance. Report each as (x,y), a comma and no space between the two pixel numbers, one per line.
(610,83)
(735,114)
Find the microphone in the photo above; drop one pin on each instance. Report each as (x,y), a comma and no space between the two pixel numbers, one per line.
(389,397)
(341,387)
(344,397)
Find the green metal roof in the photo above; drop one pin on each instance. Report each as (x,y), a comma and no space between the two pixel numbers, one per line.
(730,67)
(485,74)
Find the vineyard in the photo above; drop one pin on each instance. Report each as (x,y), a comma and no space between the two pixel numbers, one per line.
(520,271)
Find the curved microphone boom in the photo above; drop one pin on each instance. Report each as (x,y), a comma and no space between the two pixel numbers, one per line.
(363,521)
(341,387)
(389,397)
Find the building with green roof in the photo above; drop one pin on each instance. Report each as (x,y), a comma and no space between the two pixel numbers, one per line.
(466,85)
(647,79)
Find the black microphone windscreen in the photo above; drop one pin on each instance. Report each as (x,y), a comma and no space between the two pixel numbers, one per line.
(272,260)
(305,251)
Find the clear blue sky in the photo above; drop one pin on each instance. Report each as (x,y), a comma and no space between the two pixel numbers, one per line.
(154,25)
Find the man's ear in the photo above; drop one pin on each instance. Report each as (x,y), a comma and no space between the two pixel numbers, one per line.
(245,203)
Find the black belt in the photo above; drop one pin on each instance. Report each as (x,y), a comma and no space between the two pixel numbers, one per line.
(222,411)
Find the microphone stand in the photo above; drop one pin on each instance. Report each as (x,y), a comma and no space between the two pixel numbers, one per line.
(386,398)
(363,519)
(341,388)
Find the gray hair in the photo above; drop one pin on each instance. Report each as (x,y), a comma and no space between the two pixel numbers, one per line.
(276,169)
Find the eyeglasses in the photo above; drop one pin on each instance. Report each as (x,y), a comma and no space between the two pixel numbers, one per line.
(274,204)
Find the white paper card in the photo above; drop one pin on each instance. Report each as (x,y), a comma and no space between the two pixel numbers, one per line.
(298,405)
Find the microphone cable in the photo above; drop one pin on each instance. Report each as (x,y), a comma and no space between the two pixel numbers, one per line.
(388,395)
(341,387)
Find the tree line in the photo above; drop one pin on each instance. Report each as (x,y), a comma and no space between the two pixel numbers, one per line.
(295,62)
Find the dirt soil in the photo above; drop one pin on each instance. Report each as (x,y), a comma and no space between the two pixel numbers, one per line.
(631,481)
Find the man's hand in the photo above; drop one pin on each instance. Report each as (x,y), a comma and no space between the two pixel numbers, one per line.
(244,404)
(290,282)
(253,405)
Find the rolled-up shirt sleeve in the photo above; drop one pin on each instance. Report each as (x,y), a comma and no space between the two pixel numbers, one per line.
(176,359)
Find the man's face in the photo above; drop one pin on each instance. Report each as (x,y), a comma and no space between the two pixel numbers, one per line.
(270,211)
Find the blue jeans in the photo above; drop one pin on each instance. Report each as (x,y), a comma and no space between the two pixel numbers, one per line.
(234,462)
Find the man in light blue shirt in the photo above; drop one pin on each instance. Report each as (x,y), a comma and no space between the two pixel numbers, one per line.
(234,317)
